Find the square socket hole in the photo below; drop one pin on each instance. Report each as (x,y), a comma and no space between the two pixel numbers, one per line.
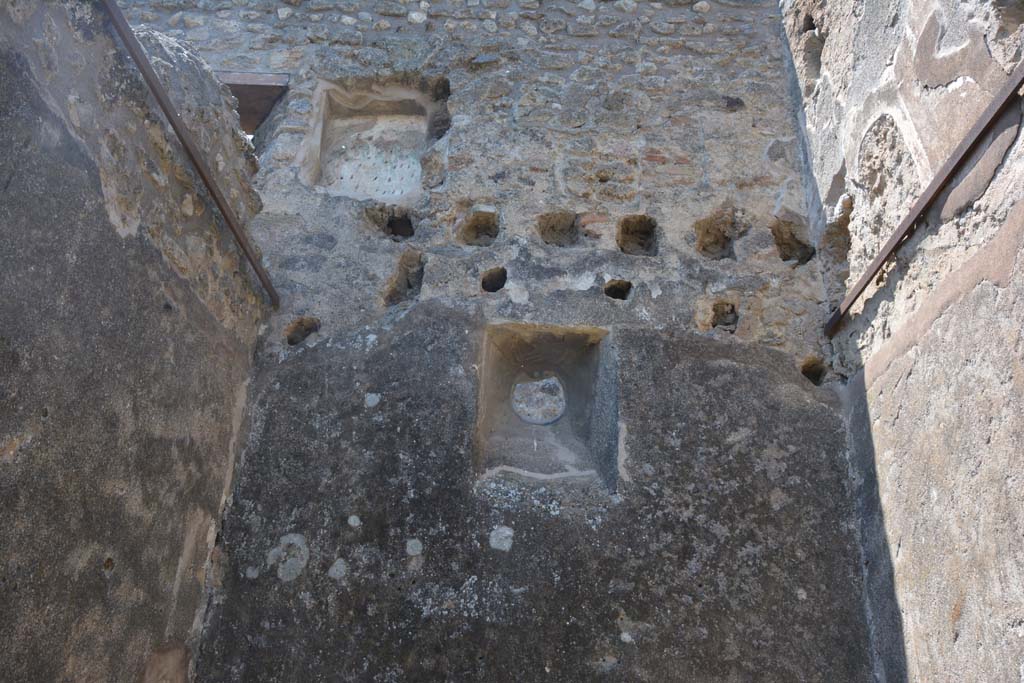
(548,405)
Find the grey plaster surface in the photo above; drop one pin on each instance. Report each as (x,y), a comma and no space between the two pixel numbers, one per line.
(122,380)
(725,552)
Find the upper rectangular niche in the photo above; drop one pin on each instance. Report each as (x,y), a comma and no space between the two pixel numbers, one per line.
(257,93)
(548,405)
(367,140)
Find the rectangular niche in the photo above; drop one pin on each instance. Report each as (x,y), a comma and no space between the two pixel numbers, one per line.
(548,404)
(367,140)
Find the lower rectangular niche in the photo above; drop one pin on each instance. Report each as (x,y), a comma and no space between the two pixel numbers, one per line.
(548,405)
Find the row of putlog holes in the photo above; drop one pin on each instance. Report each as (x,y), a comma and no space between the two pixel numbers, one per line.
(636,235)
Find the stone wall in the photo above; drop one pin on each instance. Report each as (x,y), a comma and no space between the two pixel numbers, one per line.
(933,349)
(127,327)
(676,111)
(363,544)
(624,185)
(462,195)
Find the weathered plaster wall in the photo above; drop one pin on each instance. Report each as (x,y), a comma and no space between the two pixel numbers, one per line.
(362,546)
(126,340)
(369,538)
(934,350)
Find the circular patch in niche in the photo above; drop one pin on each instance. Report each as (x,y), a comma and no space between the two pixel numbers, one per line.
(540,402)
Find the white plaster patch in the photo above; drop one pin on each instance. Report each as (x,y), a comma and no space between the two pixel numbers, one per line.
(123,212)
(569,473)
(579,283)
(501,538)
(338,570)
(290,555)
(73,102)
(622,455)
(517,293)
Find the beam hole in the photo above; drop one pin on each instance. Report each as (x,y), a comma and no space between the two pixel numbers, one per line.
(618,289)
(638,235)
(494,279)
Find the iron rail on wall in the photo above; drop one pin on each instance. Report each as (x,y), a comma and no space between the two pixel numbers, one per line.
(188,142)
(1002,100)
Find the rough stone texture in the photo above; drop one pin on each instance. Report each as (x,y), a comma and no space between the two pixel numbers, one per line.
(365,541)
(602,109)
(442,169)
(126,339)
(723,554)
(878,129)
(933,351)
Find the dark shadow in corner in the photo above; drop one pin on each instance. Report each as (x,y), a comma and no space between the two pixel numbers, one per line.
(881,605)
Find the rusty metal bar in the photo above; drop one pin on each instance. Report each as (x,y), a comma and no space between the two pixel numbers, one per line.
(998,105)
(187,141)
